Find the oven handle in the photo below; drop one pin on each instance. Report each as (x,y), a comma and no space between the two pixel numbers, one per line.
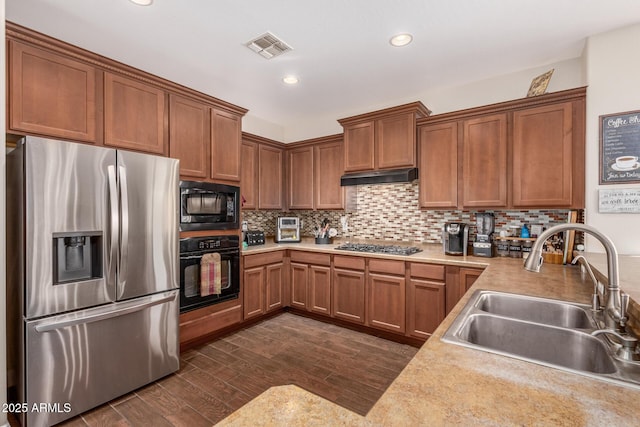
(57,324)
(188,257)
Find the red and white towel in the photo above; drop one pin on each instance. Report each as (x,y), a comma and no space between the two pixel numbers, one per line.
(210,275)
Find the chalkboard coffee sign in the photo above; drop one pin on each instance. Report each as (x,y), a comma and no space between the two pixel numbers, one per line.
(620,148)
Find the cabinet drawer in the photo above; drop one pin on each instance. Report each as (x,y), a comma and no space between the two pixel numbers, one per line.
(310,258)
(427,271)
(263,259)
(350,262)
(386,266)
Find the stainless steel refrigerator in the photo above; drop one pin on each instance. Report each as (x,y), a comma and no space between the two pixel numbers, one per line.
(92,246)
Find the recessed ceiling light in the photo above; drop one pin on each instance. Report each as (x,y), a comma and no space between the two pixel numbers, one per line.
(401,39)
(142,2)
(290,80)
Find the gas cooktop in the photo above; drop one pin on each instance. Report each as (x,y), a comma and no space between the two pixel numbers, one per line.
(385,249)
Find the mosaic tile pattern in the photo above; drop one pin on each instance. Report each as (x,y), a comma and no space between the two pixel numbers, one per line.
(391,212)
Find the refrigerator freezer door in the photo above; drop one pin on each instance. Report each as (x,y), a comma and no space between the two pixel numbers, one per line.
(149,193)
(91,356)
(66,191)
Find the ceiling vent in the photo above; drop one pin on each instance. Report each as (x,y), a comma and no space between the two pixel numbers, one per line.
(268,46)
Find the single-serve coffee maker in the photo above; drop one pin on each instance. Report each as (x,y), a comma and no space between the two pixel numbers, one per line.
(485,226)
(455,238)
(288,229)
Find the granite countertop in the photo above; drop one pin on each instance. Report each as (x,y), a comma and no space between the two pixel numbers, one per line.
(453,385)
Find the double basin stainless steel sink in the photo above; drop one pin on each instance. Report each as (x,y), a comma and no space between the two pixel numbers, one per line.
(548,332)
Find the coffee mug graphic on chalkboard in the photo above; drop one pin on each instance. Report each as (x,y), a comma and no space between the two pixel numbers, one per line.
(620,148)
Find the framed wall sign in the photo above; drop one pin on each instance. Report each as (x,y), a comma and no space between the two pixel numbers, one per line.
(620,148)
(622,200)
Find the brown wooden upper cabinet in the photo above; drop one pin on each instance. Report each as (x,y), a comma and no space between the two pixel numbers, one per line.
(53,95)
(484,162)
(438,166)
(527,153)
(262,173)
(225,145)
(314,172)
(384,139)
(134,115)
(189,136)
(547,156)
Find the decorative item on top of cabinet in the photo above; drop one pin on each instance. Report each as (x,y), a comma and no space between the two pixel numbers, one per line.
(383,139)
(53,95)
(438,165)
(314,171)
(348,300)
(134,115)
(189,136)
(263,283)
(425,299)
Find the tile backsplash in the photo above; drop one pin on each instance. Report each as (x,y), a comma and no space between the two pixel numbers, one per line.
(391,212)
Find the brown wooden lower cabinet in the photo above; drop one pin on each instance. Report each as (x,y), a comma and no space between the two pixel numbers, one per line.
(348,301)
(263,281)
(320,289)
(425,307)
(386,302)
(197,324)
(311,281)
(299,281)
(458,282)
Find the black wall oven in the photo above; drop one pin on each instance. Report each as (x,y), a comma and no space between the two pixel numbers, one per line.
(209,206)
(193,287)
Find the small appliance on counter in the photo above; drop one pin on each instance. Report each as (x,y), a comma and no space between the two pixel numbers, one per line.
(455,238)
(288,229)
(485,226)
(254,237)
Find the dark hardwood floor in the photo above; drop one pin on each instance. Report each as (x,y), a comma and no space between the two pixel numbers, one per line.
(349,368)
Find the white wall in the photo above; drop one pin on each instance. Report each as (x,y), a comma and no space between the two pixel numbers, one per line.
(3,306)
(612,64)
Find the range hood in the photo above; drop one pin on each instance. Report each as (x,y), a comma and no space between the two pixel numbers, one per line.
(379,177)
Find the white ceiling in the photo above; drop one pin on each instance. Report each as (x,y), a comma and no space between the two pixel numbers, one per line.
(340,51)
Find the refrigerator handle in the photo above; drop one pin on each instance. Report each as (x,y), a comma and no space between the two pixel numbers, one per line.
(115,222)
(53,325)
(124,209)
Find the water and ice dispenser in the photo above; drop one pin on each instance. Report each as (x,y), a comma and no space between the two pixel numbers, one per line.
(76,256)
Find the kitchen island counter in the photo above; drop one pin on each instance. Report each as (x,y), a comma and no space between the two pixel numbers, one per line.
(445,384)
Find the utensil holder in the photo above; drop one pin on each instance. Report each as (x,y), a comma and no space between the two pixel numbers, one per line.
(323,240)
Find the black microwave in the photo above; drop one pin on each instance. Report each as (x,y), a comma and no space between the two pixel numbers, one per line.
(209,206)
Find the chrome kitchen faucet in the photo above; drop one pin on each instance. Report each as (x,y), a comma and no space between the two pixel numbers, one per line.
(614,314)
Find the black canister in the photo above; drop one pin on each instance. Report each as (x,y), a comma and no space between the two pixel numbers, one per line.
(515,249)
(526,248)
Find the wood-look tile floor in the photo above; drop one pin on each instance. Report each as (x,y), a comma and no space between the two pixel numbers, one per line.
(349,368)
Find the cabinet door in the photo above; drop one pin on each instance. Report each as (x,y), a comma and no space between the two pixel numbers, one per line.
(543,156)
(320,289)
(300,182)
(348,295)
(299,282)
(274,286)
(425,307)
(52,95)
(458,282)
(396,141)
(328,167)
(249,175)
(468,276)
(387,301)
(270,178)
(253,292)
(484,162)
(438,148)
(189,136)
(359,147)
(134,115)
(225,145)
